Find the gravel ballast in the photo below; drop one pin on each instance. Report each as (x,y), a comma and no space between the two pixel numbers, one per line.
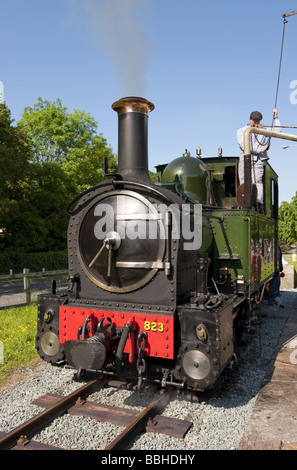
(218,421)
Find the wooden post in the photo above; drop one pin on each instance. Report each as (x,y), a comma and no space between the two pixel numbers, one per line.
(26,273)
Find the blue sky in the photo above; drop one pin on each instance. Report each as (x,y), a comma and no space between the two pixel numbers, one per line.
(205,64)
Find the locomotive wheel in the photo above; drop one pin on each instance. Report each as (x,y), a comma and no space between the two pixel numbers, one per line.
(48,346)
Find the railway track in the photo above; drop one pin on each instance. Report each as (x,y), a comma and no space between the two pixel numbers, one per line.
(75,404)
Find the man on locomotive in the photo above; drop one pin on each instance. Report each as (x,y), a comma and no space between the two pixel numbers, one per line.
(259,148)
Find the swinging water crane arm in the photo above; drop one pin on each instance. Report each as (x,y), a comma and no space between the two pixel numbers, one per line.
(290,14)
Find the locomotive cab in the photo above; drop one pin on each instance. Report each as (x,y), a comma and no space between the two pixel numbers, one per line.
(217,182)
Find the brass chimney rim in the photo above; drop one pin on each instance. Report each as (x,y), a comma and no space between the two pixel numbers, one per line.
(133,104)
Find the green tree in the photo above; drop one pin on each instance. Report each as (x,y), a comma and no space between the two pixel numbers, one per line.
(288,221)
(70,139)
(14,175)
(67,155)
(14,156)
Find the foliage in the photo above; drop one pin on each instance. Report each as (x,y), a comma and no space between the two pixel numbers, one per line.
(18,328)
(18,260)
(14,154)
(71,140)
(50,157)
(288,221)
(14,170)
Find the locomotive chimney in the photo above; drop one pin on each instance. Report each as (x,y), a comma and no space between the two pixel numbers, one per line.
(132,137)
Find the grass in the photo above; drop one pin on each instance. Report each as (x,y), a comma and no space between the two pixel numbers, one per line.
(18,327)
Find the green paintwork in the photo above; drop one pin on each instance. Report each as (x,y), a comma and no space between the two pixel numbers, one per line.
(245,243)
(223,174)
(207,236)
(193,176)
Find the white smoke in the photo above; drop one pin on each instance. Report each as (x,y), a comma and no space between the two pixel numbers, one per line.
(119,26)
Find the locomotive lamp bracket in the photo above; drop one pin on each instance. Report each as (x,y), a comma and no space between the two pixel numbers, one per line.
(71,281)
(47,317)
(201,332)
(223,273)
(106,171)
(240,285)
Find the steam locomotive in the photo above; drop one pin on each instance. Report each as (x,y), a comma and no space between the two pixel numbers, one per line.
(164,276)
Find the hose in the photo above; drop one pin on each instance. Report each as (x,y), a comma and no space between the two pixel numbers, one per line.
(258,301)
(121,347)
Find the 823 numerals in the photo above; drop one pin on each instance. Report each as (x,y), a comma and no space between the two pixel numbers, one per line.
(153,326)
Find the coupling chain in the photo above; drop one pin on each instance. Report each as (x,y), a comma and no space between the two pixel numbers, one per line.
(140,363)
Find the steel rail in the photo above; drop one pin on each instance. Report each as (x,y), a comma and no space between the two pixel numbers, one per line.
(139,423)
(34,424)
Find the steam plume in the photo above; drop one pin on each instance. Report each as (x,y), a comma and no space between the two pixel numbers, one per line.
(118,25)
